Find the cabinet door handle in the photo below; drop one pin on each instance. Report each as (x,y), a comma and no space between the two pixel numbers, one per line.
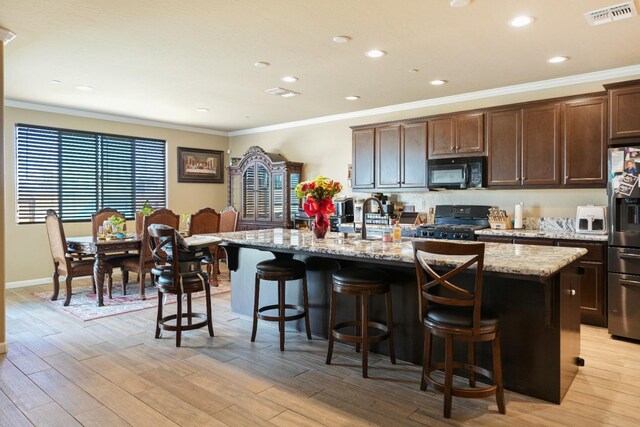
(629,283)
(572,292)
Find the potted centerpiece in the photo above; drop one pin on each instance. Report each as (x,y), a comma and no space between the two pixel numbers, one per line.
(144,211)
(318,202)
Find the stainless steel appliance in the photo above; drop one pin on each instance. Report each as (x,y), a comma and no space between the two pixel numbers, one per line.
(457,173)
(624,243)
(456,222)
(343,214)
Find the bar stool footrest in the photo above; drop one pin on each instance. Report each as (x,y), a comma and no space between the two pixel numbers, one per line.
(372,339)
(162,323)
(300,312)
(476,392)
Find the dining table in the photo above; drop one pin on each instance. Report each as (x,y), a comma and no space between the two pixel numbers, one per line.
(99,248)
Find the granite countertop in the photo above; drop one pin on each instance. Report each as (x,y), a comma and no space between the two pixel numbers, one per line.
(526,260)
(559,235)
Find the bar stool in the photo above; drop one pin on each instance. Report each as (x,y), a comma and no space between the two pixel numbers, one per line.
(452,312)
(281,270)
(361,283)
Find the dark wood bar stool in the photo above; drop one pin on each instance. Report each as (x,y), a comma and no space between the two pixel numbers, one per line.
(361,283)
(281,270)
(452,312)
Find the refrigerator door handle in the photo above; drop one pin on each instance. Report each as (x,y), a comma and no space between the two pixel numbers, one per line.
(629,283)
(625,255)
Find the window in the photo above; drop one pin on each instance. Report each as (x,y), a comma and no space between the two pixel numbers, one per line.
(77,173)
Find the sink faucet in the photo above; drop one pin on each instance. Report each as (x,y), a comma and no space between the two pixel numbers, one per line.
(363,230)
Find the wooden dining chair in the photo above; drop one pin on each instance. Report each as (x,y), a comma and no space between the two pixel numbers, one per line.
(142,265)
(66,263)
(228,223)
(115,259)
(453,312)
(205,221)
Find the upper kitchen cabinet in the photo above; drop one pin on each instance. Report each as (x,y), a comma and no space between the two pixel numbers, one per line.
(456,136)
(585,142)
(401,156)
(504,144)
(363,159)
(624,112)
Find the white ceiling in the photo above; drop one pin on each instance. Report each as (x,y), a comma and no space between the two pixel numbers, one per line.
(160,60)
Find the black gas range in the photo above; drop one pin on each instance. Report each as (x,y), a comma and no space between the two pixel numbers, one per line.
(456,222)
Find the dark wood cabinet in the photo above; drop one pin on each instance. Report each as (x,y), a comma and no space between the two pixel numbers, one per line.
(585,141)
(593,283)
(391,156)
(261,188)
(624,112)
(541,133)
(388,157)
(504,145)
(457,135)
(363,167)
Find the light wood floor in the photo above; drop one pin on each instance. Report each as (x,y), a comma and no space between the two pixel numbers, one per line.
(111,372)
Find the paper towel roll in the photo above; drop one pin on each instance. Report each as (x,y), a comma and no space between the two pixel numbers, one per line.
(517,217)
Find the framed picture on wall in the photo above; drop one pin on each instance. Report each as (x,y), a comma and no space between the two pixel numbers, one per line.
(199,165)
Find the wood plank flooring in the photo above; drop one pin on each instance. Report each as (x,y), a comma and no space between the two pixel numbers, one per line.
(61,371)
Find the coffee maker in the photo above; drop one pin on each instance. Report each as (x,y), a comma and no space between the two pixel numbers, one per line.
(343,214)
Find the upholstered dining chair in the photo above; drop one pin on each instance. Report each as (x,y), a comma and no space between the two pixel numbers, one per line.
(228,222)
(115,260)
(207,220)
(65,263)
(451,309)
(142,265)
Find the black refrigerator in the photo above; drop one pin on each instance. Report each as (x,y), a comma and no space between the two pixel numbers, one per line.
(623,189)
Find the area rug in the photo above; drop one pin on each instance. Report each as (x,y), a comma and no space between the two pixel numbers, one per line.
(83,301)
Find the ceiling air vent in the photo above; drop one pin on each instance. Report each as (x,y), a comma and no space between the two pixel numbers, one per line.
(285,93)
(611,13)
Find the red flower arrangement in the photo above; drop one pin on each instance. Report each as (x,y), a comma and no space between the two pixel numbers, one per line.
(317,195)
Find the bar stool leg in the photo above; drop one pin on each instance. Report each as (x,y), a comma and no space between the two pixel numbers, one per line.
(448,374)
(305,303)
(365,334)
(358,319)
(207,291)
(179,319)
(256,298)
(471,349)
(497,374)
(189,311)
(332,324)
(426,359)
(392,348)
(159,317)
(281,311)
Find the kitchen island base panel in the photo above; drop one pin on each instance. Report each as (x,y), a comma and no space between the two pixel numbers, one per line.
(539,320)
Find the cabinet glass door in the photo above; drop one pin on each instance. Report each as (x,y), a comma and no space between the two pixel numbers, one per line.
(236,185)
(278,196)
(263,192)
(249,194)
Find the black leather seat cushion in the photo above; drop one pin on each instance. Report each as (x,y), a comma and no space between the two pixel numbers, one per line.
(191,275)
(360,276)
(281,266)
(459,316)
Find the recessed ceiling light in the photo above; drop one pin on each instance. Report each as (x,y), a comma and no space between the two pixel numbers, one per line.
(202,110)
(557,59)
(352,97)
(375,53)
(521,21)
(413,70)
(438,82)
(459,3)
(289,79)
(55,82)
(84,88)
(342,39)
(261,64)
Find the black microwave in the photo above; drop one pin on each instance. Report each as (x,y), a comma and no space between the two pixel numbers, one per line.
(457,172)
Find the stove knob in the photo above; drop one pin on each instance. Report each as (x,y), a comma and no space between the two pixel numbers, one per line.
(444,234)
(430,233)
(457,235)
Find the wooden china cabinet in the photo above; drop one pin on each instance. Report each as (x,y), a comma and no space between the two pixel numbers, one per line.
(261,187)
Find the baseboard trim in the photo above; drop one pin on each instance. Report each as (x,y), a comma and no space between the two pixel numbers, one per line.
(3,347)
(25,283)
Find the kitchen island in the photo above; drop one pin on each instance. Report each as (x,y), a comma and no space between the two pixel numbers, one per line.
(535,290)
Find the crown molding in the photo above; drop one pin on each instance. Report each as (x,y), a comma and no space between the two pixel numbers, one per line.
(6,36)
(482,94)
(112,117)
